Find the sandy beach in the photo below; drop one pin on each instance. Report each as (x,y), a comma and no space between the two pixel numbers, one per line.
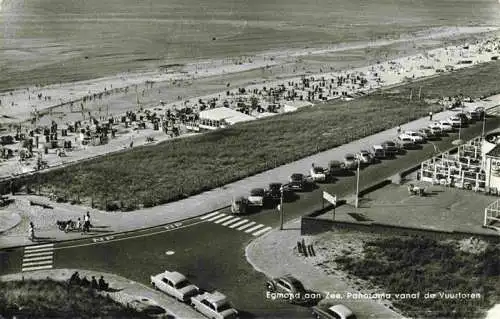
(303,75)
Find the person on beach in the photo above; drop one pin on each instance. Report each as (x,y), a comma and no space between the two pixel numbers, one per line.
(399,129)
(430,116)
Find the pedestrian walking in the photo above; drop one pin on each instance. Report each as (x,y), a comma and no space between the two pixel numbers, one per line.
(79,224)
(31,233)
(430,116)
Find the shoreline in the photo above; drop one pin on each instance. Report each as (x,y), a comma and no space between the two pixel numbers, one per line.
(210,79)
(73,92)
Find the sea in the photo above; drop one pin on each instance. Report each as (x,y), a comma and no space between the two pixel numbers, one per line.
(53,41)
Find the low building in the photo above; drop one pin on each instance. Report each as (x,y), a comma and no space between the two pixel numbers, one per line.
(221,117)
(292,106)
(475,165)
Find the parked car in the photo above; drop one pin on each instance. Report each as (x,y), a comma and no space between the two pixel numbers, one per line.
(318,174)
(350,161)
(464,119)
(365,157)
(214,305)
(334,312)
(256,197)
(297,182)
(427,133)
(274,193)
(378,152)
(437,131)
(481,111)
(239,205)
(413,136)
(455,122)
(390,148)
(174,284)
(406,143)
(445,126)
(289,286)
(336,168)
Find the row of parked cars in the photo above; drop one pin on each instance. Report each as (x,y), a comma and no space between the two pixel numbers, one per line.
(407,140)
(214,305)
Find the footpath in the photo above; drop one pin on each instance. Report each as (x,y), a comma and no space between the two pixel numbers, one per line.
(45,213)
(273,254)
(122,290)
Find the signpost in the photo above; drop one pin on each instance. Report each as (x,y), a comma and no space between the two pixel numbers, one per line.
(332,199)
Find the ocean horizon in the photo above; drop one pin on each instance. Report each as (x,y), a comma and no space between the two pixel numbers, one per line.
(52,41)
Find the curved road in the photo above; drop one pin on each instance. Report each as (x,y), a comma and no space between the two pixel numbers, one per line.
(209,251)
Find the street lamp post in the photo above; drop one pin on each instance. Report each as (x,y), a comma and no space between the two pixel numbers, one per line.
(484,122)
(357,184)
(281,208)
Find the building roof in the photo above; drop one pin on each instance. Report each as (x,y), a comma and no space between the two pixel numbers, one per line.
(495,152)
(224,113)
(297,103)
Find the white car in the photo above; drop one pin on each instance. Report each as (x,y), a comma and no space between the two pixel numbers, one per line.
(365,157)
(174,284)
(413,136)
(214,305)
(256,197)
(455,122)
(445,126)
(337,311)
(318,174)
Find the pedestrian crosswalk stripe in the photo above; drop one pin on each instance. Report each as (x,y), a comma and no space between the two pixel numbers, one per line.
(231,221)
(37,268)
(238,223)
(37,250)
(38,246)
(38,258)
(37,263)
(209,215)
(259,232)
(223,219)
(254,228)
(216,217)
(247,225)
(45,253)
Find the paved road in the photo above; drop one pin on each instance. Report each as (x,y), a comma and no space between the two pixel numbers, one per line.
(208,249)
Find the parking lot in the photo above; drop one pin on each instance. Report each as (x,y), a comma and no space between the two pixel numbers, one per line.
(442,208)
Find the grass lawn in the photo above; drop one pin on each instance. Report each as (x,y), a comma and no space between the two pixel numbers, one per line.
(401,265)
(179,168)
(51,299)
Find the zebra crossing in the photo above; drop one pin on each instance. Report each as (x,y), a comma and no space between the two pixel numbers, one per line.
(38,257)
(237,223)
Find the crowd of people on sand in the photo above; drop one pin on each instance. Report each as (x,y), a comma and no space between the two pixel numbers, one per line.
(100,284)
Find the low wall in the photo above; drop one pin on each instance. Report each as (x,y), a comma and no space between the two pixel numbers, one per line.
(312,226)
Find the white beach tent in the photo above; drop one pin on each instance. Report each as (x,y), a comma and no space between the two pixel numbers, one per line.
(213,119)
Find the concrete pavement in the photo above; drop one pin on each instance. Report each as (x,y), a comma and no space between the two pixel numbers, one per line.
(123,290)
(110,222)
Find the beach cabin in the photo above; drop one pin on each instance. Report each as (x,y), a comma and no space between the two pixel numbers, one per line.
(221,117)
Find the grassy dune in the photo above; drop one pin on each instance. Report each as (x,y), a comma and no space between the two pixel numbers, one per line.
(175,169)
(412,265)
(51,299)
